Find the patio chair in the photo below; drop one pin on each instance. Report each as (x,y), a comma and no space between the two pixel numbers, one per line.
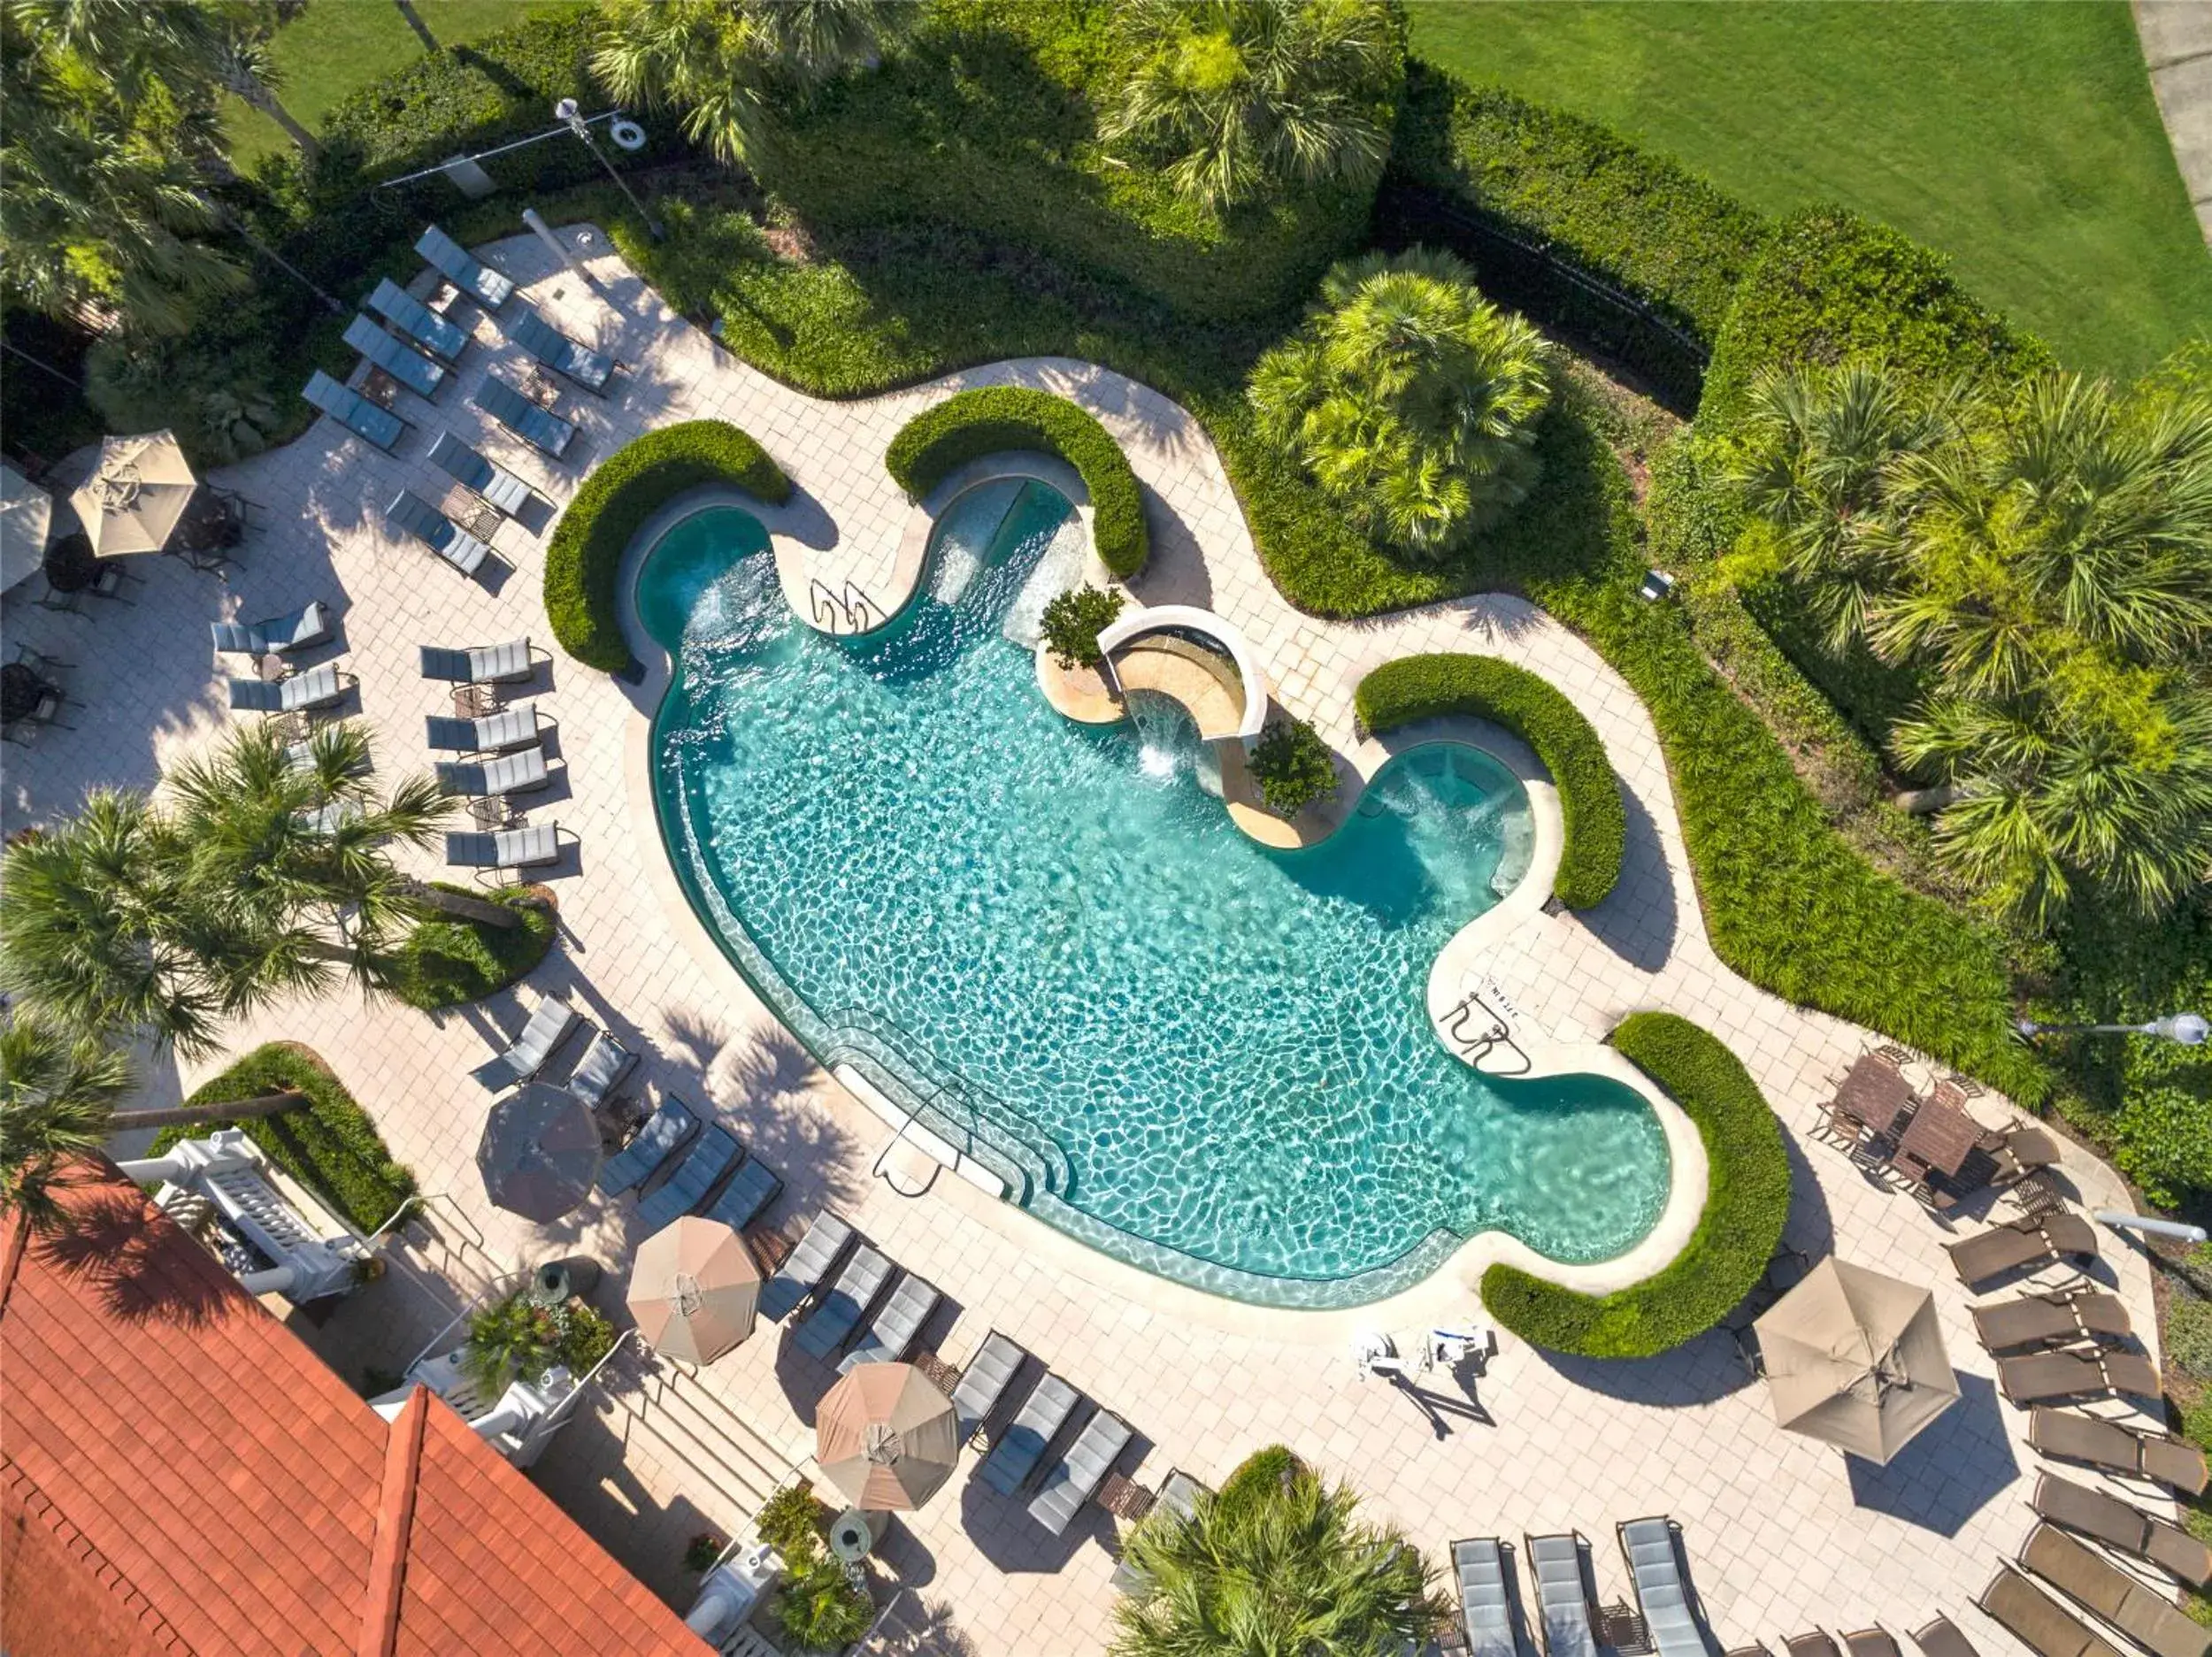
(2047,1320)
(542,340)
(548,1024)
(1486,1607)
(807,1265)
(891,1333)
(294,631)
(2127,1528)
(667,1131)
(984,1382)
(1022,1444)
(415,515)
(509,727)
(543,429)
(600,1071)
(1075,1477)
(443,254)
(403,362)
(499,488)
(479,664)
(2036,1240)
(1649,1548)
(2019,1152)
(1939,1637)
(2096,1584)
(354,411)
(504,848)
(2041,1376)
(747,1194)
(839,1311)
(1562,1605)
(707,1161)
(425,326)
(318,688)
(1871,1642)
(488,779)
(2036,1621)
(2072,1437)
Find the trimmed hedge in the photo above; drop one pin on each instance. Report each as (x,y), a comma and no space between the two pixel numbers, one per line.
(1422,686)
(584,557)
(1747,1204)
(994,418)
(449,962)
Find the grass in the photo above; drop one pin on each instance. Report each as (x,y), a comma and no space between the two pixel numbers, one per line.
(2020,139)
(449,962)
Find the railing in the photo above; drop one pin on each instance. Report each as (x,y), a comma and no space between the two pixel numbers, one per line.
(857,604)
(826,607)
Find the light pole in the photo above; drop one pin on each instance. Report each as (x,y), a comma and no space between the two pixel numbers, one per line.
(2189,1029)
(566,110)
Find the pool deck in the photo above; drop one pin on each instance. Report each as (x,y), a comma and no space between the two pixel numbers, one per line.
(1781,1533)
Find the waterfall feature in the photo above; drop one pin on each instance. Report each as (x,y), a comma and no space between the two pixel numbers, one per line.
(965,534)
(1168,744)
(1059,568)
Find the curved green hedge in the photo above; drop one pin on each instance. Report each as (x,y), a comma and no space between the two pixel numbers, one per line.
(994,418)
(585,554)
(1420,687)
(1746,1201)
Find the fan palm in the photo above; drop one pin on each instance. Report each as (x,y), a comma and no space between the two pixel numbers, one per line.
(1249,95)
(58,1095)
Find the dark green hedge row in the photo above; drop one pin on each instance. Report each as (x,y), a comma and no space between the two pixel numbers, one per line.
(994,418)
(1747,1204)
(1423,687)
(447,961)
(585,555)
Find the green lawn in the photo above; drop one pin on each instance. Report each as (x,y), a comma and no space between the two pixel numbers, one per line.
(2019,138)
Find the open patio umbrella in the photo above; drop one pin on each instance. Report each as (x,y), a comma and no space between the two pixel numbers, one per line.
(135,494)
(1855,1358)
(539,1151)
(885,1436)
(26,517)
(693,1289)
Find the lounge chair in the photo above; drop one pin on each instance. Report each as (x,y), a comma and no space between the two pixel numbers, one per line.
(2094,1583)
(2036,1240)
(892,1332)
(984,1382)
(426,523)
(844,1303)
(498,486)
(1871,1642)
(2041,1376)
(485,780)
(2036,1621)
(1663,1593)
(443,254)
(707,1161)
(479,664)
(2019,1152)
(354,411)
(294,631)
(2127,1528)
(2073,1437)
(2052,1320)
(403,362)
(600,1071)
(509,727)
(750,1190)
(504,848)
(1815,1644)
(1022,1444)
(549,1025)
(318,688)
(542,340)
(1075,1477)
(806,1267)
(425,326)
(666,1133)
(1485,1608)
(1939,1637)
(544,430)
(1562,1606)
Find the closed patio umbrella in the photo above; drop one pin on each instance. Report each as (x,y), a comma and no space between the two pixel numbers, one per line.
(885,1436)
(539,1151)
(692,1290)
(135,494)
(1855,1358)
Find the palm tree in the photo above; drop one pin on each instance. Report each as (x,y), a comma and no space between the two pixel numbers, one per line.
(58,1098)
(1410,398)
(1276,1565)
(1247,95)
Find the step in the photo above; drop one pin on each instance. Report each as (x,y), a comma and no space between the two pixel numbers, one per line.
(678,1418)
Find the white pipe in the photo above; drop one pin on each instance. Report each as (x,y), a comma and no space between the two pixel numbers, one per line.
(172,1167)
(275,1280)
(2174,1229)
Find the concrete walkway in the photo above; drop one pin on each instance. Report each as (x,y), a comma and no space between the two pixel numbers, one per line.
(2177,36)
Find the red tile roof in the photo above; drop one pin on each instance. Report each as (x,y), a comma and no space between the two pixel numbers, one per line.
(179,1474)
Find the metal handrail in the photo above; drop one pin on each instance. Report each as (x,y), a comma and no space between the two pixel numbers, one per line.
(816,586)
(857,604)
(553,1417)
(491,1288)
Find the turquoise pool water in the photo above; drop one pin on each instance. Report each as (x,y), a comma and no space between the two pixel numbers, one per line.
(1215,1056)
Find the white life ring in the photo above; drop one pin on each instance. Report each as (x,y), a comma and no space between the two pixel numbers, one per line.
(627,134)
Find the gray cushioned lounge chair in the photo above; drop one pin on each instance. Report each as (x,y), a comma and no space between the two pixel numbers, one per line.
(1939,1637)
(1075,1477)
(747,1194)
(806,1267)
(984,1382)
(1022,1444)
(498,486)
(2035,1241)
(443,254)
(708,1160)
(1485,1608)
(294,631)
(2072,1437)
(548,1024)
(2036,1621)
(2041,1376)
(479,664)
(485,780)
(412,515)
(318,688)
(2085,1576)
(504,848)
(402,361)
(1562,1606)
(2127,1528)
(1871,1642)
(1655,1569)
(667,1131)
(1815,1644)
(2051,1320)
(843,1304)
(354,411)
(509,727)
(600,1071)
(545,432)
(542,340)
(425,326)
(892,1332)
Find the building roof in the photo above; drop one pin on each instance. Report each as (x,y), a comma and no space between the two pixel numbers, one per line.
(180,1474)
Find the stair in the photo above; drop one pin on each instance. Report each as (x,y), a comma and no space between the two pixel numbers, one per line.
(731,1467)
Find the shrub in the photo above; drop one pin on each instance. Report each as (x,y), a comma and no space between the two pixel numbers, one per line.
(1746,1202)
(2189,1334)
(584,557)
(447,961)
(818,1608)
(1073,620)
(703,1550)
(792,1521)
(521,1339)
(994,418)
(2164,1134)
(1259,1474)
(1293,766)
(1596,823)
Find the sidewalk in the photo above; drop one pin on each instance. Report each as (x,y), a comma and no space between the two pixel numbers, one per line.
(2177,36)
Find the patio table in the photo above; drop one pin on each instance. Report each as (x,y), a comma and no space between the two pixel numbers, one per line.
(473,701)
(271,667)
(1938,1138)
(540,388)
(941,1375)
(470,512)
(380,389)
(1873,1092)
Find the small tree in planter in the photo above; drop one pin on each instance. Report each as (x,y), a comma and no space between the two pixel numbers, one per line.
(521,1338)
(1072,622)
(1291,765)
(817,1606)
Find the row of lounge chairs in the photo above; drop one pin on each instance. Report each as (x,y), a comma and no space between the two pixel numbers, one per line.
(302,692)
(1565,1615)
(680,1165)
(2028,1244)
(503,757)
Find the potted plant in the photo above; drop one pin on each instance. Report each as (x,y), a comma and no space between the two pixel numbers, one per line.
(817,1606)
(521,1339)
(1293,766)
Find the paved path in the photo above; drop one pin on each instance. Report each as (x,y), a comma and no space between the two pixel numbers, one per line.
(2177,36)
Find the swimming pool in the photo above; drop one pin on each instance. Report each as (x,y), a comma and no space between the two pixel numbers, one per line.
(1210,1058)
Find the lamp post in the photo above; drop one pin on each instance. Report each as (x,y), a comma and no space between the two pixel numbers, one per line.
(2189,1029)
(566,110)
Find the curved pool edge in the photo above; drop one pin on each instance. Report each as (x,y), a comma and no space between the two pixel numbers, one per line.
(1450,1293)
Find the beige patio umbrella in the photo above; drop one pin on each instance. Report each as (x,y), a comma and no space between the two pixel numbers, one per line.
(692,1290)
(137,493)
(1855,1358)
(885,1436)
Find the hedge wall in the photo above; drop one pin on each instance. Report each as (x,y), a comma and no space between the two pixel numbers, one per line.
(1422,686)
(994,418)
(1747,1204)
(585,554)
